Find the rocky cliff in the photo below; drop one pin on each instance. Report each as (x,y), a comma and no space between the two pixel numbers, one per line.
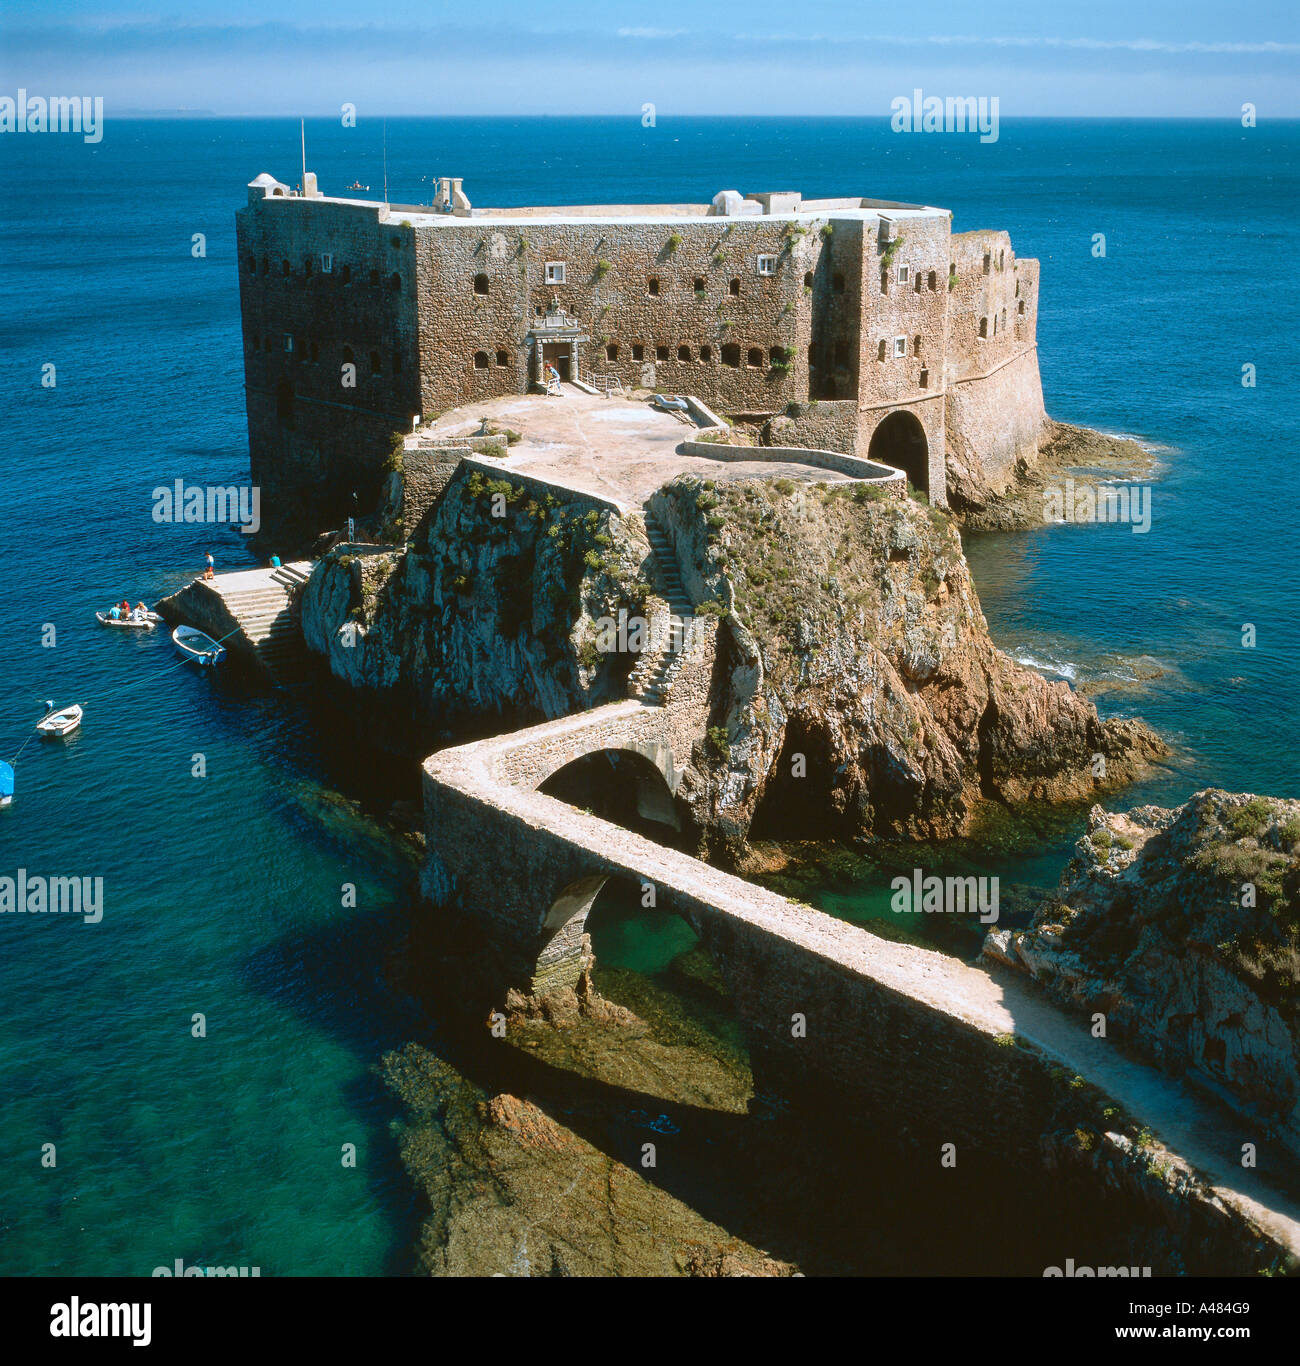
(1183,928)
(857,693)
(862,695)
(1017,499)
(492,612)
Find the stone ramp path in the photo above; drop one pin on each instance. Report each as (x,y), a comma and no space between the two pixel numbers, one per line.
(1201,1132)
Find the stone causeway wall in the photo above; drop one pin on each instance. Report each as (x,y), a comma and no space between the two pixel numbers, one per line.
(897,1034)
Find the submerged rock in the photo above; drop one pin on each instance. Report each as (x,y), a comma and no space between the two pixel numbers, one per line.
(1182,927)
(513,1190)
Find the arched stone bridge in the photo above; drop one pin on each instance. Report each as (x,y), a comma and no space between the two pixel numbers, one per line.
(909,1036)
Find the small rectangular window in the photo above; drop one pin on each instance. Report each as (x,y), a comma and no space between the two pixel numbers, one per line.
(900,347)
(767,265)
(902,275)
(288,341)
(555,272)
(326,263)
(638,351)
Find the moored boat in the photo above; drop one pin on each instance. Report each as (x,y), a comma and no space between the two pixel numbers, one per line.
(195,645)
(60,722)
(6,784)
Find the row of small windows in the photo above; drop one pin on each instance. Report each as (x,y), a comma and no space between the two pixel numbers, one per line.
(754,356)
(730,354)
(655,285)
(984,322)
(557,271)
(988,260)
(310,351)
(922,280)
(326,268)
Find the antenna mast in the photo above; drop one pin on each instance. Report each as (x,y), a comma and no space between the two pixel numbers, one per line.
(385,163)
(302,129)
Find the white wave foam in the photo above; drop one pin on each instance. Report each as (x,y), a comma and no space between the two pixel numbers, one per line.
(1061,670)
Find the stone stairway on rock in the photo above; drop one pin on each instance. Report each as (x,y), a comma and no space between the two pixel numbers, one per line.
(265,604)
(652,678)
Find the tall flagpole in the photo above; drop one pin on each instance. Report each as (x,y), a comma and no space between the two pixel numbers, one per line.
(302,128)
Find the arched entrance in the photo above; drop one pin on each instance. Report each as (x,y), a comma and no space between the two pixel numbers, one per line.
(900,441)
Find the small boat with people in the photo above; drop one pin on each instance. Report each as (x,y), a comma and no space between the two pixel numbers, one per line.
(59,721)
(196,645)
(125,617)
(131,623)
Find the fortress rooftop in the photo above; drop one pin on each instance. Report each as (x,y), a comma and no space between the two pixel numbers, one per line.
(452,207)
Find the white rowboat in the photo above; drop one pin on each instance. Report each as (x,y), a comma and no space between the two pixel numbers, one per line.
(193,644)
(56,724)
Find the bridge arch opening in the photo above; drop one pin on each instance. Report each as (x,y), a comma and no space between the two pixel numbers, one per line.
(900,441)
(622,786)
(643,953)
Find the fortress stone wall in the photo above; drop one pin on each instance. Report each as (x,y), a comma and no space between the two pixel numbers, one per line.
(923,341)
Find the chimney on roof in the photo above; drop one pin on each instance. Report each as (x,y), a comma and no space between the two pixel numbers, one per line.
(443,202)
(459,204)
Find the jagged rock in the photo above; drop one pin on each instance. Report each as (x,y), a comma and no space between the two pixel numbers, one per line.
(482,616)
(1153,926)
(531,1127)
(907,717)
(857,641)
(1085,456)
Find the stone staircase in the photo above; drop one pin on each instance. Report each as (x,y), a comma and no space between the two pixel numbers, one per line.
(265,604)
(652,678)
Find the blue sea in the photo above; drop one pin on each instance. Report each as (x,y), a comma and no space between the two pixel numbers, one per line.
(223,893)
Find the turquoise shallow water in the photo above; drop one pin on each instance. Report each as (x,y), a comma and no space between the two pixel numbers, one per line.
(223,894)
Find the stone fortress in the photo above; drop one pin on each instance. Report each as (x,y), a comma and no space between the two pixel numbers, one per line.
(866,342)
(865,326)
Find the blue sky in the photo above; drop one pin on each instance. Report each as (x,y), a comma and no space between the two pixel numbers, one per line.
(1162,58)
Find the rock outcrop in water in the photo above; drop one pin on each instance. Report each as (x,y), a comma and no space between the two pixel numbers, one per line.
(1086,457)
(863,696)
(1183,928)
(857,694)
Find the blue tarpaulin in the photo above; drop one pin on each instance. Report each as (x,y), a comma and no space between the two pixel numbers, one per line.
(6,780)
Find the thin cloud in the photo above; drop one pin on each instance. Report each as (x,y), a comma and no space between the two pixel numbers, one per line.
(1155,45)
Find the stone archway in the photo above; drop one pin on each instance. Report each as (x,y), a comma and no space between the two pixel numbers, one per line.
(626,786)
(900,441)
(566,950)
